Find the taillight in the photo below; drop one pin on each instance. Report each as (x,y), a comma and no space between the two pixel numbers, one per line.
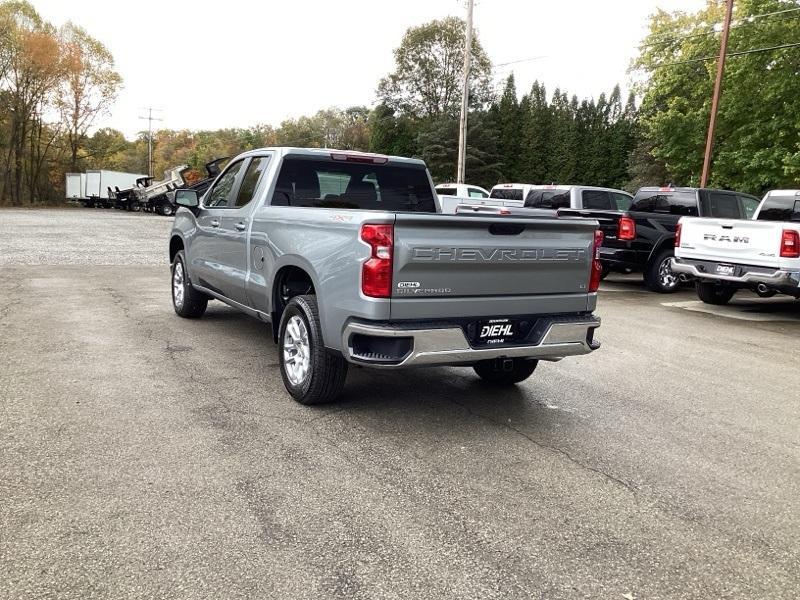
(790,244)
(678,236)
(376,273)
(597,267)
(626,228)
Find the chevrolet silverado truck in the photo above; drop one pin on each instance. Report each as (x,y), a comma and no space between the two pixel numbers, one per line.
(349,259)
(727,255)
(642,238)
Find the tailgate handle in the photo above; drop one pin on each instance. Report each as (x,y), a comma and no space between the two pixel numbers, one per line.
(727,226)
(506,229)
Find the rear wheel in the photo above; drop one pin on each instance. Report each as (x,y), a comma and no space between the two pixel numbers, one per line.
(659,275)
(187,301)
(311,374)
(714,293)
(506,371)
(166,210)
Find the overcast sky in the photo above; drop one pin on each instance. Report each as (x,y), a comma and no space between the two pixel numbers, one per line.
(237,63)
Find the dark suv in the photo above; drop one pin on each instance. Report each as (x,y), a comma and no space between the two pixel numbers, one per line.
(642,238)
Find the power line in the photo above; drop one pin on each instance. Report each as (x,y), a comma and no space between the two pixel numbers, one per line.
(739,23)
(521,60)
(730,54)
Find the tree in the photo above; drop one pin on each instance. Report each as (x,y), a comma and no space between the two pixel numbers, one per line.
(757,134)
(426,82)
(33,70)
(89,85)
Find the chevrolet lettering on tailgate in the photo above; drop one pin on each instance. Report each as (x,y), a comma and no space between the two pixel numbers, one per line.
(496,255)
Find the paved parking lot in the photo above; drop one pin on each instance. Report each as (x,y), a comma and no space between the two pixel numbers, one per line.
(146,456)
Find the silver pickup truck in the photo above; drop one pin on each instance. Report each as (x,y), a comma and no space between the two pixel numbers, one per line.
(348,257)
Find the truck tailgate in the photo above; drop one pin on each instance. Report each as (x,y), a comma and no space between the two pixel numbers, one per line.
(489,265)
(607,220)
(727,240)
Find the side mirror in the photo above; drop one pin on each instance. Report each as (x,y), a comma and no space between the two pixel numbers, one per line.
(187,198)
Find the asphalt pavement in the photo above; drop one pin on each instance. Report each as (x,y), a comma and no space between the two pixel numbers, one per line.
(147,456)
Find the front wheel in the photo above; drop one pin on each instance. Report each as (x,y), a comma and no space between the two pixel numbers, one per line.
(659,275)
(311,374)
(166,210)
(187,301)
(505,371)
(714,293)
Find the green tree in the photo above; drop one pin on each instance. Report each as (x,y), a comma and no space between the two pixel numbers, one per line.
(427,78)
(757,130)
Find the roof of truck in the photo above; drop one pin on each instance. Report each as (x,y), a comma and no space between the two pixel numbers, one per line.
(327,153)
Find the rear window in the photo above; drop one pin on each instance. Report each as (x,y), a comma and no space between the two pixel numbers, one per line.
(547,199)
(672,203)
(340,184)
(780,208)
(506,193)
(723,206)
(446,191)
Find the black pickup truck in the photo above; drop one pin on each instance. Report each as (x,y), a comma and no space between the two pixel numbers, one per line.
(642,239)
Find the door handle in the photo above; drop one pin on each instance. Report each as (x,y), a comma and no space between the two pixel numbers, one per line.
(240,226)
(214,223)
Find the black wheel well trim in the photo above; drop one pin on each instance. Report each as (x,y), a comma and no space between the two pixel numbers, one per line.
(176,244)
(660,246)
(283,274)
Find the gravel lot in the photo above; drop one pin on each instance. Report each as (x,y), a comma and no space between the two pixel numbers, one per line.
(146,456)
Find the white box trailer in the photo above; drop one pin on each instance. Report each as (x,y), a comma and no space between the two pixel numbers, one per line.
(75,186)
(99,181)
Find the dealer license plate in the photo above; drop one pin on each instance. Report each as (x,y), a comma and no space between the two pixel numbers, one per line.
(726,269)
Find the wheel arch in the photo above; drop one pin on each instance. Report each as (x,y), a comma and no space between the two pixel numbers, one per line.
(292,278)
(176,244)
(667,242)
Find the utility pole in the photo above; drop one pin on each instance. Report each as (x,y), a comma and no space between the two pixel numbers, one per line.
(723,49)
(150,118)
(462,125)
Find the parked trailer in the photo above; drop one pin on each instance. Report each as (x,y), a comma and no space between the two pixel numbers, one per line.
(101,185)
(75,186)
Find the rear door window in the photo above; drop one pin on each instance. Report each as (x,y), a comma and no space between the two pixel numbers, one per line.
(476,193)
(780,208)
(748,205)
(506,193)
(723,206)
(320,183)
(597,200)
(621,201)
(553,199)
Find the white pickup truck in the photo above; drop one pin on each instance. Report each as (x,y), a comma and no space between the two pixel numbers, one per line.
(761,254)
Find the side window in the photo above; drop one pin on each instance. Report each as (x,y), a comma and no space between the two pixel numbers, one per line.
(250,181)
(547,199)
(644,204)
(749,206)
(597,200)
(476,193)
(621,201)
(219,196)
(723,206)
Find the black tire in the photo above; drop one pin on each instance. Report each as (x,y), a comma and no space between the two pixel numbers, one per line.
(191,304)
(492,371)
(166,210)
(714,293)
(659,276)
(604,273)
(324,378)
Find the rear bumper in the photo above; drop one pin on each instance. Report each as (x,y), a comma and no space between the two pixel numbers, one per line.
(448,345)
(748,275)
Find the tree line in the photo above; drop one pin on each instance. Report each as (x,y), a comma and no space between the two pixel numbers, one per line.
(56,84)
